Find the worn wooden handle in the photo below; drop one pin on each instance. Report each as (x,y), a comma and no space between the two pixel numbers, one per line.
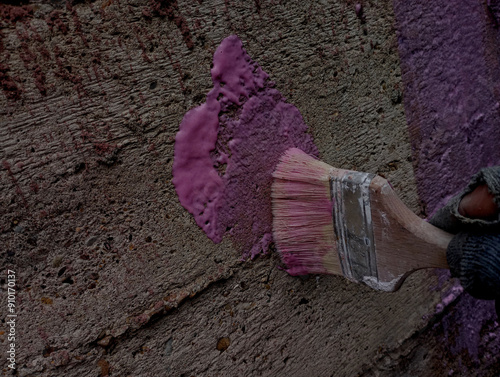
(404,242)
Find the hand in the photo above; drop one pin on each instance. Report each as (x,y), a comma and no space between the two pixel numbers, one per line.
(474,257)
(479,266)
(473,216)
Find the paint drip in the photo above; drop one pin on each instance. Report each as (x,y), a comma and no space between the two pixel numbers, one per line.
(227,148)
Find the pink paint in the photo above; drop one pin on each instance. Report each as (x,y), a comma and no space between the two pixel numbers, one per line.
(171,10)
(10,88)
(197,183)
(359,10)
(227,148)
(54,20)
(13,14)
(12,177)
(77,24)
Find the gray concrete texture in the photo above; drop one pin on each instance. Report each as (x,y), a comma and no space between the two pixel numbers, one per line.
(114,277)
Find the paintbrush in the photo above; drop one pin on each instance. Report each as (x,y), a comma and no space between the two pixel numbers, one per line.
(334,221)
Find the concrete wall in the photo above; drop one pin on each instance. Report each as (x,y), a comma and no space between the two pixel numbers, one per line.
(114,277)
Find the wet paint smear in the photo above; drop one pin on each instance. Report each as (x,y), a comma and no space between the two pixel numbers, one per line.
(227,148)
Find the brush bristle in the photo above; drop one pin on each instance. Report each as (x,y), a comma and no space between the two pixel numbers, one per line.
(302,215)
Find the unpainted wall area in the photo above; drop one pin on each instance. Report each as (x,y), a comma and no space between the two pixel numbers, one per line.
(114,277)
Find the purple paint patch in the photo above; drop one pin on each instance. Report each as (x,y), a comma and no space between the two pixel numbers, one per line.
(462,329)
(170,8)
(9,86)
(227,148)
(494,8)
(451,71)
(13,14)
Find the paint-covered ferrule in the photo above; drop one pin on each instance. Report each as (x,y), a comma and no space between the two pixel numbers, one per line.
(353,225)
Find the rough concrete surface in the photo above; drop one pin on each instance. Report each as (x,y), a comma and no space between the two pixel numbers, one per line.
(114,277)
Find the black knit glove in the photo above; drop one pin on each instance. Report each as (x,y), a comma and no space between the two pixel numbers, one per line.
(474,252)
(475,259)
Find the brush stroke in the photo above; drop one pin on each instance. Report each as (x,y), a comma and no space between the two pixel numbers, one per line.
(451,73)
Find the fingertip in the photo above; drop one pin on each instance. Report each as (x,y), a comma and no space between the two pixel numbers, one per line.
(478,204)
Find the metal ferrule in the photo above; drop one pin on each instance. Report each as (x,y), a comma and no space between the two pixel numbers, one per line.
(353,224)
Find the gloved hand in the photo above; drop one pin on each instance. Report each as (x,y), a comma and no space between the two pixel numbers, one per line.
(474,253)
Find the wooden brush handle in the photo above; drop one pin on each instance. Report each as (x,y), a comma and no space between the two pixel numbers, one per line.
(404,242)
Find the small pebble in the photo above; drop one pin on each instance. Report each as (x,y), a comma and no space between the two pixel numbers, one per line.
(19,229)
(168,348)
(223,344)
(91,241)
